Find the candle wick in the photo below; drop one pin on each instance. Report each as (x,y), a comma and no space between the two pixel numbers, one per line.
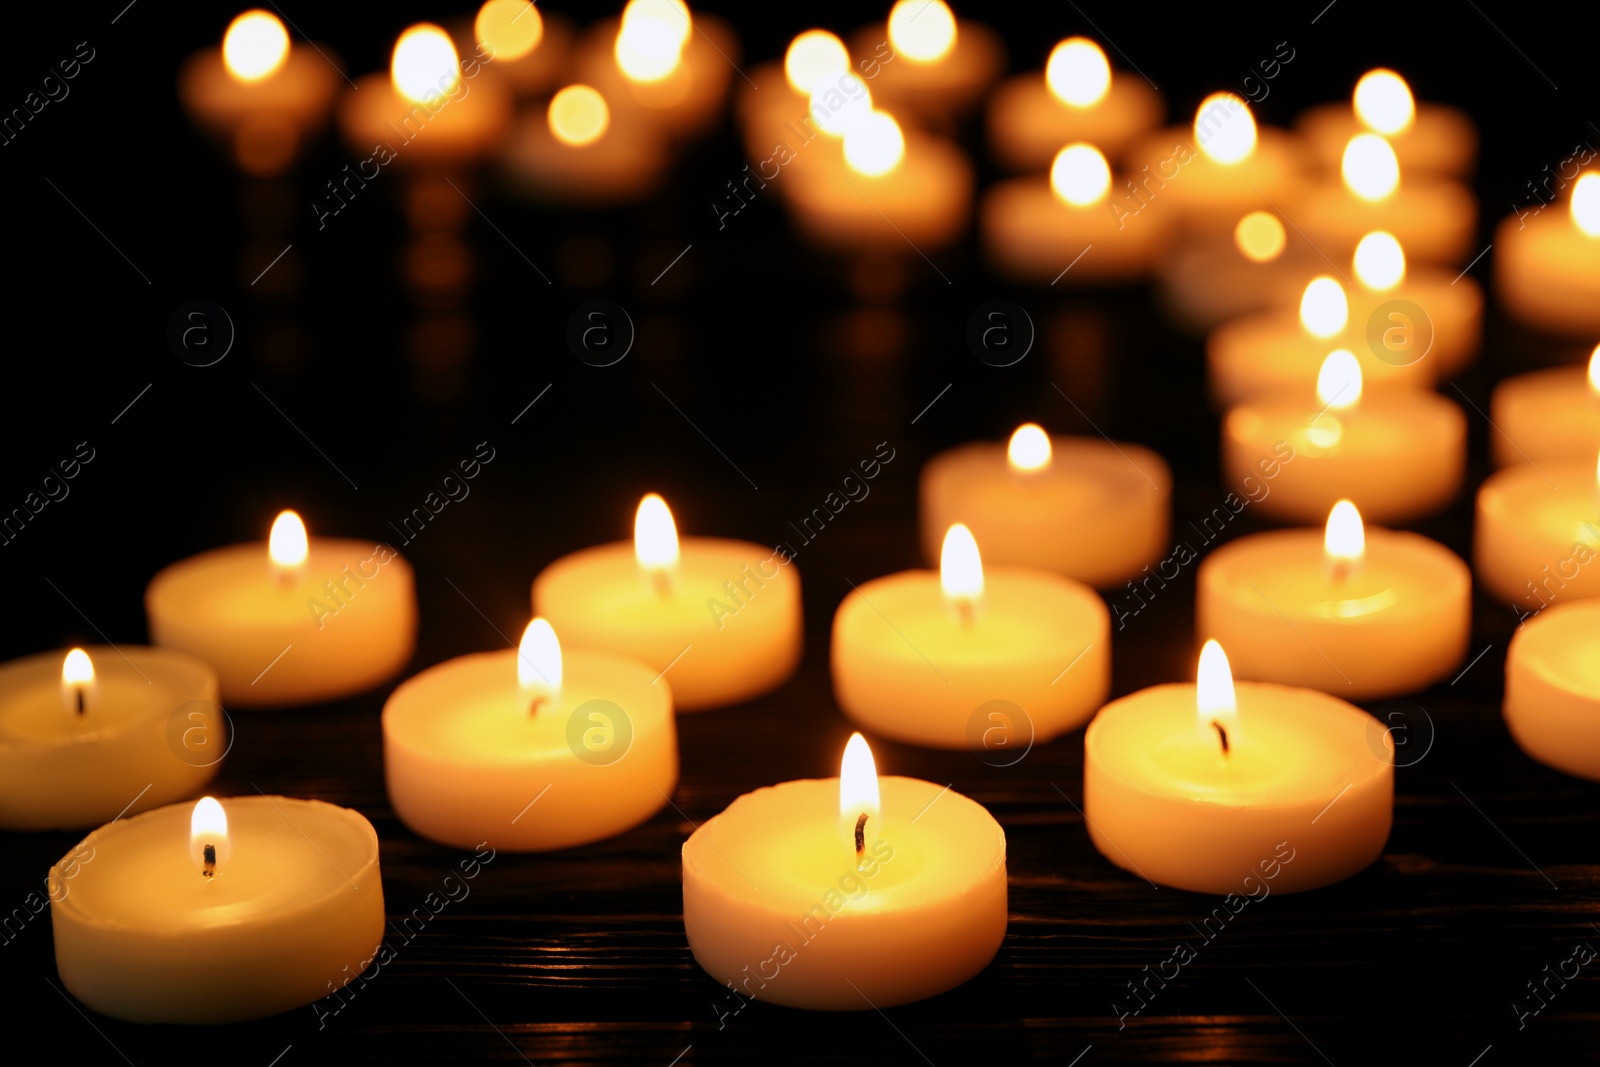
(662,581)
(285,578)
(967,611)
(210,868)
(1221,733)
(861,834)
(78,692)
(538,702)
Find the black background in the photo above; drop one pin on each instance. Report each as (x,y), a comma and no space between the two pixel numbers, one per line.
(771,350)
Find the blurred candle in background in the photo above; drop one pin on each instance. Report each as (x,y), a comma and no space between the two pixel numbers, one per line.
(1428,138)
(1547,264)
(1079,98)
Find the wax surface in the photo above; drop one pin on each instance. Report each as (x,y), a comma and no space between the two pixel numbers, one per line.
(1440,140)
(467,760)
(1552,702)
(1027,124)
(1548,271)
(298,93)
(1548,415)
(1029,233)
(1396,624)
(906,666)
(1537,533)
(276,642)
(927,198)
(142,936)
(623,165)
(1211,196)
(1304,770)
(935,89)
(1433,219)
(1098,513)
(1270,352)
(60,771)
(719,645)
(453,129)
(778,906)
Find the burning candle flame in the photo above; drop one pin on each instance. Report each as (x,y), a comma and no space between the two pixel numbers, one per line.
(1339,380)
(655,535)
(924,31)
(960,566)
(1077,72)
(1370,168)
(1080,175)
(1586,204)
(836,113)
(651,38)
(813,56)
(77,681)
(1260,237)
(1215,702)
(874,146)
(1380,262)
(255,46)
(1383,102)
(578,115)
(1029,449)
(1594,371)
(510,28)
(671,13)
(1225,129)
(539,659)
(287,544)
(1344,540)
(858,793)
(208,835)
(425,64)
(1324,310)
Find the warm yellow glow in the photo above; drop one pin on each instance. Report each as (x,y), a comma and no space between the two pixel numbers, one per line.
(960,566)
(1586,204)
(255,46)
(1260,236)
(922,30)
(833,111)
(1080,175)
(813,56)
(539,658)
(1214,697)
(1380,262)
(1078,73)
(1594,370)
(1324,310)
(858,791)
(650,40)
(578,115)
(1370,168)
(425,64)
(673,14)
(77,681)
(287,544)
(1224,128)
(1029,449)
(1383,102)
(1339,380)
(208,826)
(1345,540)
(510,28)
(874,145)
(655,535)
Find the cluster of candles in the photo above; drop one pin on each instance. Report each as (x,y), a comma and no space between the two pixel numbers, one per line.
(220,911)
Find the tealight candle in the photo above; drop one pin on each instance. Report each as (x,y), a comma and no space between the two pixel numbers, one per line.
(942,64)
(1205,787)
(1082,507)
(1079,98)
(292,621)
(87,736)
(212,913)
(1209,280)
(1414,314)
(528,49)
(1552,701)
(1365,613)
(1065,229)
(530,749)
(432,109)
(1216,170)
(720,618)
(258,91)
(1436,218)
(1427,138)
(1282,351)
(1538,529)
(579,151)
(1345,447)
(786,105)
(916,654)
(881,862)
(1547,267)
(1548,415)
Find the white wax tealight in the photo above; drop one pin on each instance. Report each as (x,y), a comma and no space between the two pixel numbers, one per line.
(215,913)
(1548,415)
(1363,613)
(1204,787)
(578,151)
(1345,446)
(942,65)
(292,621)
(1211,279)
(530,749)
(1066,229)
(1537,531)
(916,655)
(103,731)
(1547,267)
(1409,313)
(1427,138)
(1552,702)
(1078,97)
(1083,507)
(720,618)
(848,893)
